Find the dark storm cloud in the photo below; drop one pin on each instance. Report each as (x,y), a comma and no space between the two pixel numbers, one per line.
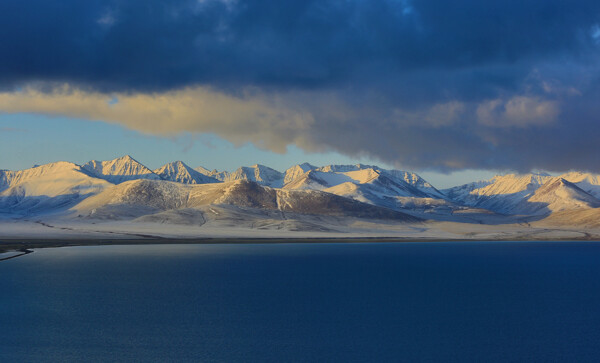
(429,83)
(153,45)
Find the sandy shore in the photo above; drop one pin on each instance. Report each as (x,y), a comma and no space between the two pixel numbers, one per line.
(25,244)
(18,235)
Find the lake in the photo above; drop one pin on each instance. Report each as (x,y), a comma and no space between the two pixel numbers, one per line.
(431,302)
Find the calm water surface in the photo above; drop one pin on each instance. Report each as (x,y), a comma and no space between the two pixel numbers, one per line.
(487,302)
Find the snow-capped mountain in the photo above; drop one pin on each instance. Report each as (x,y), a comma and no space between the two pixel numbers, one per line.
(124,188)
(375,180)
(179,172)
(401,183)
(119,170)
(369,184)
(46,188)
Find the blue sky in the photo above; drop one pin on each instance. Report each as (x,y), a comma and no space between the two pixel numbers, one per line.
(27,140)
(456,88)
(37,139)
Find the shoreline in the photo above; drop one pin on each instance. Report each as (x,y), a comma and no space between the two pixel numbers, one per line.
(21,244)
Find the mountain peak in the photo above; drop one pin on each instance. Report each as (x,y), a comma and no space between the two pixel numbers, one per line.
(126,158)
(262,167)
(119,170)
(296,171)
(174,164)
(180,164)
(304,167)
(557,183)
(180,172)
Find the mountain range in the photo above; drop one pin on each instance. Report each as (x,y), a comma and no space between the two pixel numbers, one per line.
(304,196)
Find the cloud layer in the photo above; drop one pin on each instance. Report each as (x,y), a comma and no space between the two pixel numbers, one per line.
(424,84)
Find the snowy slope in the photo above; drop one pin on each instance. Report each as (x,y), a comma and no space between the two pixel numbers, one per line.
(179,172)
(500,194)
(386,193)
(557,195)
(119,170)
(46,188)
(512,193)
(590,183)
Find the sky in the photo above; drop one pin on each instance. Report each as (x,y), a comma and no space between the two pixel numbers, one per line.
(27,140)
(455,90)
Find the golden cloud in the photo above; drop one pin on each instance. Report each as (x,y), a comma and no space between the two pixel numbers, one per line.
(251,117)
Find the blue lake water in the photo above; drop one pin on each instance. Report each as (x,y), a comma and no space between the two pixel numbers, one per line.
(451,302)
